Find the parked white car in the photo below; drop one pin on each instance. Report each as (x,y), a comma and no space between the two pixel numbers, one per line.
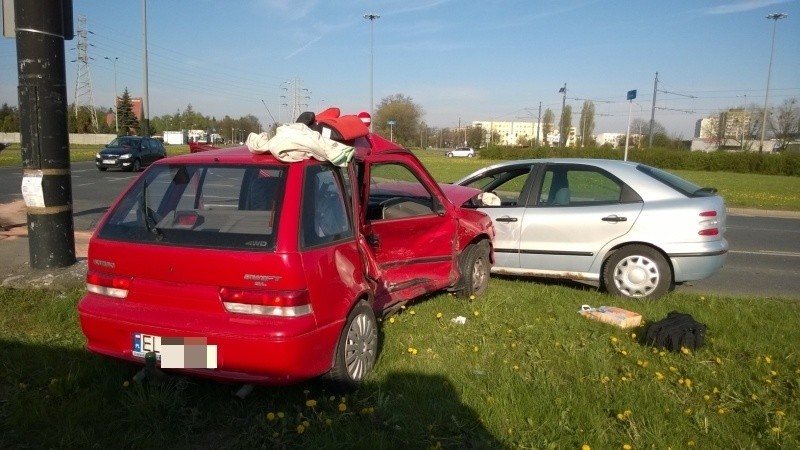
(464,152)
(634,229)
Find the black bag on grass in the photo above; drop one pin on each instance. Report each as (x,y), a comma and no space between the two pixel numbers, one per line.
(675,331)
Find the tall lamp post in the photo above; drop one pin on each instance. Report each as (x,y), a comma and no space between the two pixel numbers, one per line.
(116,102)
(563,92)
(775,17)
(371,18)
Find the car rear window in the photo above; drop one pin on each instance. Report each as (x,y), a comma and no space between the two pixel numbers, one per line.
(230,207)
(685,187)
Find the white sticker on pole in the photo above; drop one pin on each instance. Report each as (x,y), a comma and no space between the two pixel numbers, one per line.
(32,190)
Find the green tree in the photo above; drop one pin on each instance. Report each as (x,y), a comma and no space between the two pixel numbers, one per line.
(786,125)
(566,124)
(548,124)
(587,123)
(406,115)
(128,123)
(9,119)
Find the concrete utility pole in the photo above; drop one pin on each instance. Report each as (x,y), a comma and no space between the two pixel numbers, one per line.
(563,91)
(41,28)
(774,18)
(653,112)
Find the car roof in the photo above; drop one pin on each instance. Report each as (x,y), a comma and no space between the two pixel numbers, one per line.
(372,144)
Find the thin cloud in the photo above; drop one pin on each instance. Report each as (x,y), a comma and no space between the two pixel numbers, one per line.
(742,6)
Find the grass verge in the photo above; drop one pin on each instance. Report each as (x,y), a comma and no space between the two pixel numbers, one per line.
(524,371)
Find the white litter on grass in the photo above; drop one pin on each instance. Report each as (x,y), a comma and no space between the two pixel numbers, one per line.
(460,320)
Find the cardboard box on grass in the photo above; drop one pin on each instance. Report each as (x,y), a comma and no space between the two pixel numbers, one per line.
(613,315)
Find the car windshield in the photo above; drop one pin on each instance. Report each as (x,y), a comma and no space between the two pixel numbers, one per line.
(675,182)
(123,142)
(232,207)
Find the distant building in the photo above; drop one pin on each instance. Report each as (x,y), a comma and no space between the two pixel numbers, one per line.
(519,133)
(612,139)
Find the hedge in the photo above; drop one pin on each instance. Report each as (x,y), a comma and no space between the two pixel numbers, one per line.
(786,163)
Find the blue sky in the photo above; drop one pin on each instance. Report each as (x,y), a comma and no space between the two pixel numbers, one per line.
(460,60)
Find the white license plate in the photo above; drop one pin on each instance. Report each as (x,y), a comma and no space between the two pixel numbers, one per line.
(144,343)
(109,161)
(176,353)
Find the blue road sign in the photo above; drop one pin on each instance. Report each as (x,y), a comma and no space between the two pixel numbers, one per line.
(631,95)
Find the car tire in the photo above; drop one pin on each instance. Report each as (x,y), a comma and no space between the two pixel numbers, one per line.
(449,155)
(637,271)
(137,165)
(357,348)
(470,155)
(475,267)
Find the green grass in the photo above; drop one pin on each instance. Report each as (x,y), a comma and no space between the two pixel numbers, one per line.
(525,371)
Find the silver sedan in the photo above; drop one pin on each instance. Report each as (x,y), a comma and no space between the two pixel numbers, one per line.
(634,229)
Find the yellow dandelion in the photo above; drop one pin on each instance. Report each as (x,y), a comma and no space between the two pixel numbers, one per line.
(706,397)
(403,307)
(718,360)
(328,422)
(301,429)
(614,339)
(690,444)
(626,447)
(475,348)
(620,416)
(633,335)
(780,413)
(586,447)
(715,390)
(662,353)
(342,407)
(768,359)
(776,430)
(659,376)
(438,315)
(753,397)
(773,373)
(126,383)
(311,403)
(686,350)
(627,412)
(476,313)
(412,312)
(412,350)
(391,319)
(605,380)
(472,297)
(270,416)
(306,424)
(688,383)
(687,411)
(281,415)
(722,410)
(515,367)
(673,369)
(624,353)
(681,381)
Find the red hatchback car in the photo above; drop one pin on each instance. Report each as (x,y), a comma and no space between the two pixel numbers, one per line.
(238,266)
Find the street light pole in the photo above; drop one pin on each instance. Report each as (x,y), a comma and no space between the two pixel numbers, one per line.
(775,17)
(371,18)
(563,91)
(116,103)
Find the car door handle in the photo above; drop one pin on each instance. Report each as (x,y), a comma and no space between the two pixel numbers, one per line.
(614,218)
(506,219)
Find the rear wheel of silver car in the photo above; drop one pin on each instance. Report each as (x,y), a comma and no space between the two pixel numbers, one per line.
(637,271)
(475,267)
(357,349)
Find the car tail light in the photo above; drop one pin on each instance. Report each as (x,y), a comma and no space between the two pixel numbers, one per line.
(709,223)
(104,284)
(265,302)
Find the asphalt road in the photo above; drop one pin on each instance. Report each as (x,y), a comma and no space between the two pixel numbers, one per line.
(764,258)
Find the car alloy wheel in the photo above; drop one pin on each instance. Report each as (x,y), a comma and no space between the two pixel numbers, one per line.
(475,269)
(357,349)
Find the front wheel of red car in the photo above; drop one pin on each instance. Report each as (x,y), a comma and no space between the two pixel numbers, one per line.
(475,267)
(357,348)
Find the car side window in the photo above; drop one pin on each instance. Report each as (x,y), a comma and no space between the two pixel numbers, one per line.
(325,217)
(396,193)
(508,186)
(578,186)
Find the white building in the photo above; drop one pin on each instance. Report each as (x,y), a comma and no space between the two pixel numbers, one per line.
(612,139)
(517,133)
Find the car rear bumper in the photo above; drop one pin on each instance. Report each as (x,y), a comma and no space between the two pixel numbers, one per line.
(249,349)
(692,263)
